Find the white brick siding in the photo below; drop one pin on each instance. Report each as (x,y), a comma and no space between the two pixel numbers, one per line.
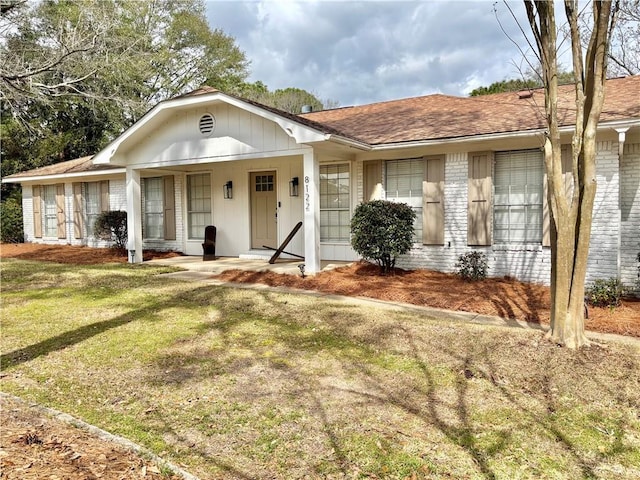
(532,263)
(630,215)
(605,229)
(615,240)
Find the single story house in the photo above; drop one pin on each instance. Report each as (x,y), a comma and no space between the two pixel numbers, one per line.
(472,168)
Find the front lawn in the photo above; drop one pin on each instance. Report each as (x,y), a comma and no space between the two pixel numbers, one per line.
(235,383)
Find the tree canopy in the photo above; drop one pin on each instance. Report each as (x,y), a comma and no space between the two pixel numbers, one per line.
(75,73)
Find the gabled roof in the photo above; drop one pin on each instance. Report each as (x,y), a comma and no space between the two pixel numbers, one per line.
(431,117)
(442,117)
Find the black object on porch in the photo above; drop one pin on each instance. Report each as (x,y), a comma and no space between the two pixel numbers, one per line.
(209,245)
(284,244)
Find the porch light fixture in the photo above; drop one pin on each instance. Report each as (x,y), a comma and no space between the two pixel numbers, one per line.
(293,187)
(227,189)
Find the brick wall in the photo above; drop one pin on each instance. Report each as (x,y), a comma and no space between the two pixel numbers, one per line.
(630,215)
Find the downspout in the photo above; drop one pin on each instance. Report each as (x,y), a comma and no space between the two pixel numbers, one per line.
(622,136)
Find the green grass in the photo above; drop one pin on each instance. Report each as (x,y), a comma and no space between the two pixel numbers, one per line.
(234,382)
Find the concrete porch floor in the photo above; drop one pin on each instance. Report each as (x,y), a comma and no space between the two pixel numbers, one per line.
(196,264)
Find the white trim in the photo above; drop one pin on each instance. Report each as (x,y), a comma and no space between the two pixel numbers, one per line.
(301,133)
(57,176)
(223,158)
(494,136)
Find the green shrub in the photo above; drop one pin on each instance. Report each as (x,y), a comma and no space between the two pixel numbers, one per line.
(382,230)
(472,266)
(605,293)
(11,228)
(112,226)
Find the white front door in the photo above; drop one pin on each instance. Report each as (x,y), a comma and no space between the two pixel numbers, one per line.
(264,221)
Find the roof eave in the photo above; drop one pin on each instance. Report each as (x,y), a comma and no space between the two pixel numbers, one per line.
(60,176)
(496,136)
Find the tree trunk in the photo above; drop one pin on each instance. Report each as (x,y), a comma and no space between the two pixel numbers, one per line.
(571,219)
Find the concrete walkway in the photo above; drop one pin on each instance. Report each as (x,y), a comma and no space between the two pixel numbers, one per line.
(221,264)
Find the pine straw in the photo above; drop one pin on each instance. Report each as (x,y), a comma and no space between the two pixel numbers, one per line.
(504,297)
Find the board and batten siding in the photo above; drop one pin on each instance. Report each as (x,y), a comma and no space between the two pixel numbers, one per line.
(236,133)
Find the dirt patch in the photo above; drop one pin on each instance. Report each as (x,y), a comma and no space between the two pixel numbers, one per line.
(34,446)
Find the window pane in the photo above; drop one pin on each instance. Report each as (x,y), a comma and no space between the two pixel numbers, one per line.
(50,210)
(154,207)
(199,204)
(404,180)
(92,204)
(518,197)
(335,206)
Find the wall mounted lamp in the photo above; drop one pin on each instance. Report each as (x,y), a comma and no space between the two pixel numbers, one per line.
(293,187)
(227,189)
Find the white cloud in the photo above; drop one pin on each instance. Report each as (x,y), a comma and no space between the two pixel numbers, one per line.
(361,51)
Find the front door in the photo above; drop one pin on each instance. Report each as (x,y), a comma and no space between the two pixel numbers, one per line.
(264,210)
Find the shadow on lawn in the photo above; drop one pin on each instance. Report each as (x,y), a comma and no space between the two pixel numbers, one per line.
(339,338)
(453,416)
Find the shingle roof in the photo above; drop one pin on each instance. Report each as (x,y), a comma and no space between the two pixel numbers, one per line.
(432,117)
(78,165)
(441,116)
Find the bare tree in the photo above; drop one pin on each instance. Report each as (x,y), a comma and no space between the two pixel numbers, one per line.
(571,218)
(624,55)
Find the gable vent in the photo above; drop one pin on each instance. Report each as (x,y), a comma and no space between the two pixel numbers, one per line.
(207,124)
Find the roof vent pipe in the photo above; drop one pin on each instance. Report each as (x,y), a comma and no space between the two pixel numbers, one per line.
(306,109)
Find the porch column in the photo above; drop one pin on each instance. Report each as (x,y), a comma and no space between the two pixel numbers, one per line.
(134,216)
(311,212)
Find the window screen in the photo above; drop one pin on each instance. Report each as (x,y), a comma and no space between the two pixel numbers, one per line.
(518,197)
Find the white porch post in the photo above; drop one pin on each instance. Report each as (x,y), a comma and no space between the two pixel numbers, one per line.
(311,199)
(134,216)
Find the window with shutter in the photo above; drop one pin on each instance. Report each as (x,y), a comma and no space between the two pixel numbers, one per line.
(404,183)
(518,197)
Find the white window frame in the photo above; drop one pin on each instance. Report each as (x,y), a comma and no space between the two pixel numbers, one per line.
(153,208)
(518,197)
(335,202)
(49,211)
(198,206)
(92,206)
(412,195)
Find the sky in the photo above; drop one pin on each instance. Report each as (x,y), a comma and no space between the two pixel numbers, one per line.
(359,52)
